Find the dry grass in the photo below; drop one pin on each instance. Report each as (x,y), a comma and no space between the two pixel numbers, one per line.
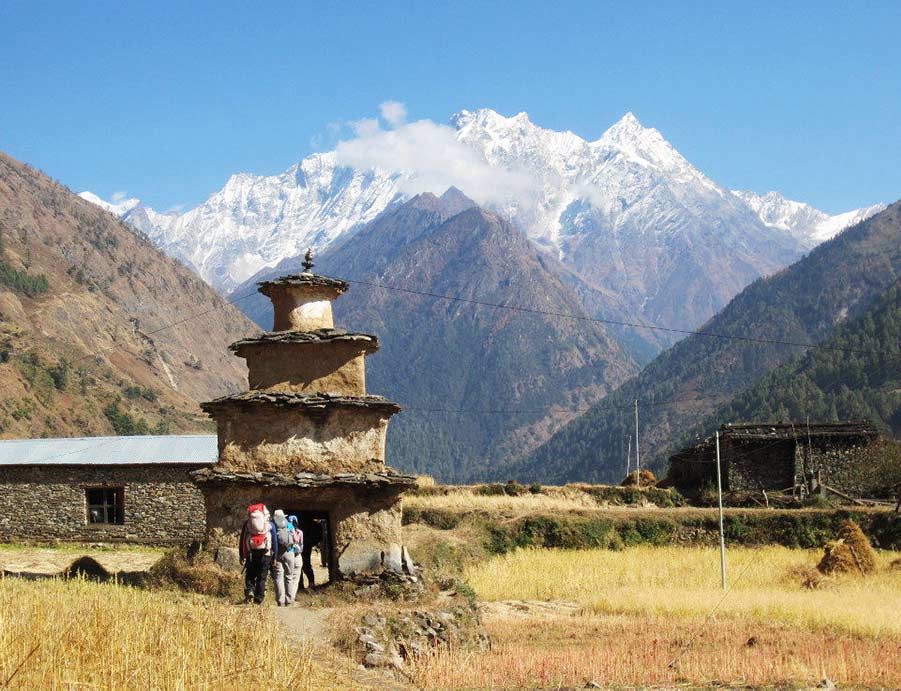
(67,634)
(685,582)
(642,608)
(637,650)
(467,500)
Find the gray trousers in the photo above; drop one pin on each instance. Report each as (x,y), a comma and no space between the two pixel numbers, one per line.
(286,574)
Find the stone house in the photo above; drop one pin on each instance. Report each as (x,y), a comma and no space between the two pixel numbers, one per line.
(783,456)
(305,437)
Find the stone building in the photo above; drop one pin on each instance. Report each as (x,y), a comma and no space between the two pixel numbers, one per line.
(305,437)
(785,455)
(101,489)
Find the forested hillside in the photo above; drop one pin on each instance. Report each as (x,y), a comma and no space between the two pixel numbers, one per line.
(857,374)
(802,304)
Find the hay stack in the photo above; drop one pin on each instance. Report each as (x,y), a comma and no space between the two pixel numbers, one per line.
(850,553)
(647,479)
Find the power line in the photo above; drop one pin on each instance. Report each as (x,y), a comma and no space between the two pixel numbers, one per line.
(634,325)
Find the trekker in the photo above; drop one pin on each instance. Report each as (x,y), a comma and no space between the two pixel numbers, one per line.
(312,536)
(258,547)
(284,568)
(298,556)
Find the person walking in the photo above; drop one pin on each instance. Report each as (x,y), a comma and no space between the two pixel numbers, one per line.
(257,548)
(284,567)
(312,536)
(294,583)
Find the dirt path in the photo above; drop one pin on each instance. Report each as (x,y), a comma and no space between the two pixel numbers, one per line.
(310,625)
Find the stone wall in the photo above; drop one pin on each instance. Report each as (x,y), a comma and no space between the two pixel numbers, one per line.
(331,366)
(365,524)
(757,465)
(286,440)
(301,308)
(162,505)
(858,467)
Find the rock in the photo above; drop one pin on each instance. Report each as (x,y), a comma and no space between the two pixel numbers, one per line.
(373,620)
(376,660)
(227,558)
(593,685)
(392,559)
(826,684)
(407,562)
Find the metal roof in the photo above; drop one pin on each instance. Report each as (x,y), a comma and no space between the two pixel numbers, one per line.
(188,449)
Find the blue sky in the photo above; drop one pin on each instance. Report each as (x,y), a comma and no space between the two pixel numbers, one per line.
(165,100)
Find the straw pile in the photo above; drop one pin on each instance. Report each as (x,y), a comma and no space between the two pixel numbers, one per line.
(647,479)
(850,553)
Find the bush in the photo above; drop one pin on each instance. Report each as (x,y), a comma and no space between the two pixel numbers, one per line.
(123,423)
(200,575)
(22,281)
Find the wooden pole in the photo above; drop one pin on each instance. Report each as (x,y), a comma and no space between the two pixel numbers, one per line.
(637,456)
(719,492)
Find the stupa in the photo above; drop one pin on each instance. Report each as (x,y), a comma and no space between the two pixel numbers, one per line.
(305,436)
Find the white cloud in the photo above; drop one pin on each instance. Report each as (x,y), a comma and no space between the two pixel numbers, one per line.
(431,159)
(393,112)
(119,197)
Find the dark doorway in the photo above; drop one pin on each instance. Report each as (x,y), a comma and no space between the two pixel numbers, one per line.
(317,552)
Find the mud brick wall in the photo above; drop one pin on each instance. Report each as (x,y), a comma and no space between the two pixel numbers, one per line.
(162,505)
(365,524)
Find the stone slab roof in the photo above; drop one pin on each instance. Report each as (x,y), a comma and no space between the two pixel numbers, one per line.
(305,279)
(181,449)
(311,402)
(367,341)
(303,480)
(790,430)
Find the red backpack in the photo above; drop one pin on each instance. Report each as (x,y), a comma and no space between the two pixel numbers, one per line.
(258,535)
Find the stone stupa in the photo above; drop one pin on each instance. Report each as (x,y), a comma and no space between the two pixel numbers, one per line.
(306,437)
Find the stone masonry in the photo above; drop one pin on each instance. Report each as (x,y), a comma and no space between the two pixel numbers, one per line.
(162,506)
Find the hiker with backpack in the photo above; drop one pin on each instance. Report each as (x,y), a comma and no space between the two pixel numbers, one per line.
(285,568)
(258,548)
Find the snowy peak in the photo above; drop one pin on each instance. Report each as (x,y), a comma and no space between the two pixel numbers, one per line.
(116,208)
(806,223)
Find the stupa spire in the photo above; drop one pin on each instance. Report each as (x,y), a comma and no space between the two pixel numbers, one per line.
(308,261)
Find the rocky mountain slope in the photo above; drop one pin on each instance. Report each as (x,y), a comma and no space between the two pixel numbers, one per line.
(479,384)
(627,213)
(805,303)
(87,308)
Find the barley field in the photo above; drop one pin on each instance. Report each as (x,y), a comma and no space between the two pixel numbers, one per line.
(57,634)
(657,616)
(685,582)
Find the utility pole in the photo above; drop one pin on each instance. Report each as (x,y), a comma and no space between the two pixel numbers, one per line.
(629,456)
(637,456)
(719,492)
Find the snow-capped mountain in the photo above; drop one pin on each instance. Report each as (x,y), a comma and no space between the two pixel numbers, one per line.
(115,208)
(811,226)
(626,212)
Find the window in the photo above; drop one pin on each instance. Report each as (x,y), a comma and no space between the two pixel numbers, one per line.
(105,505)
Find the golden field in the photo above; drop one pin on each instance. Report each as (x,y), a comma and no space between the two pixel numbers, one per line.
(58,634)
(685,582)
(657,616)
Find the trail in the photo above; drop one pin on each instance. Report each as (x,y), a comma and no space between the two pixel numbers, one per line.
(309,625)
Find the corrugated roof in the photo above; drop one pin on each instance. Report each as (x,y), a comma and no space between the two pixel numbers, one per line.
(189,449)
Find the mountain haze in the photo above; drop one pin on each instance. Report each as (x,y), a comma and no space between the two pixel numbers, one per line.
(479,385)
(805,303)
(100,332)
